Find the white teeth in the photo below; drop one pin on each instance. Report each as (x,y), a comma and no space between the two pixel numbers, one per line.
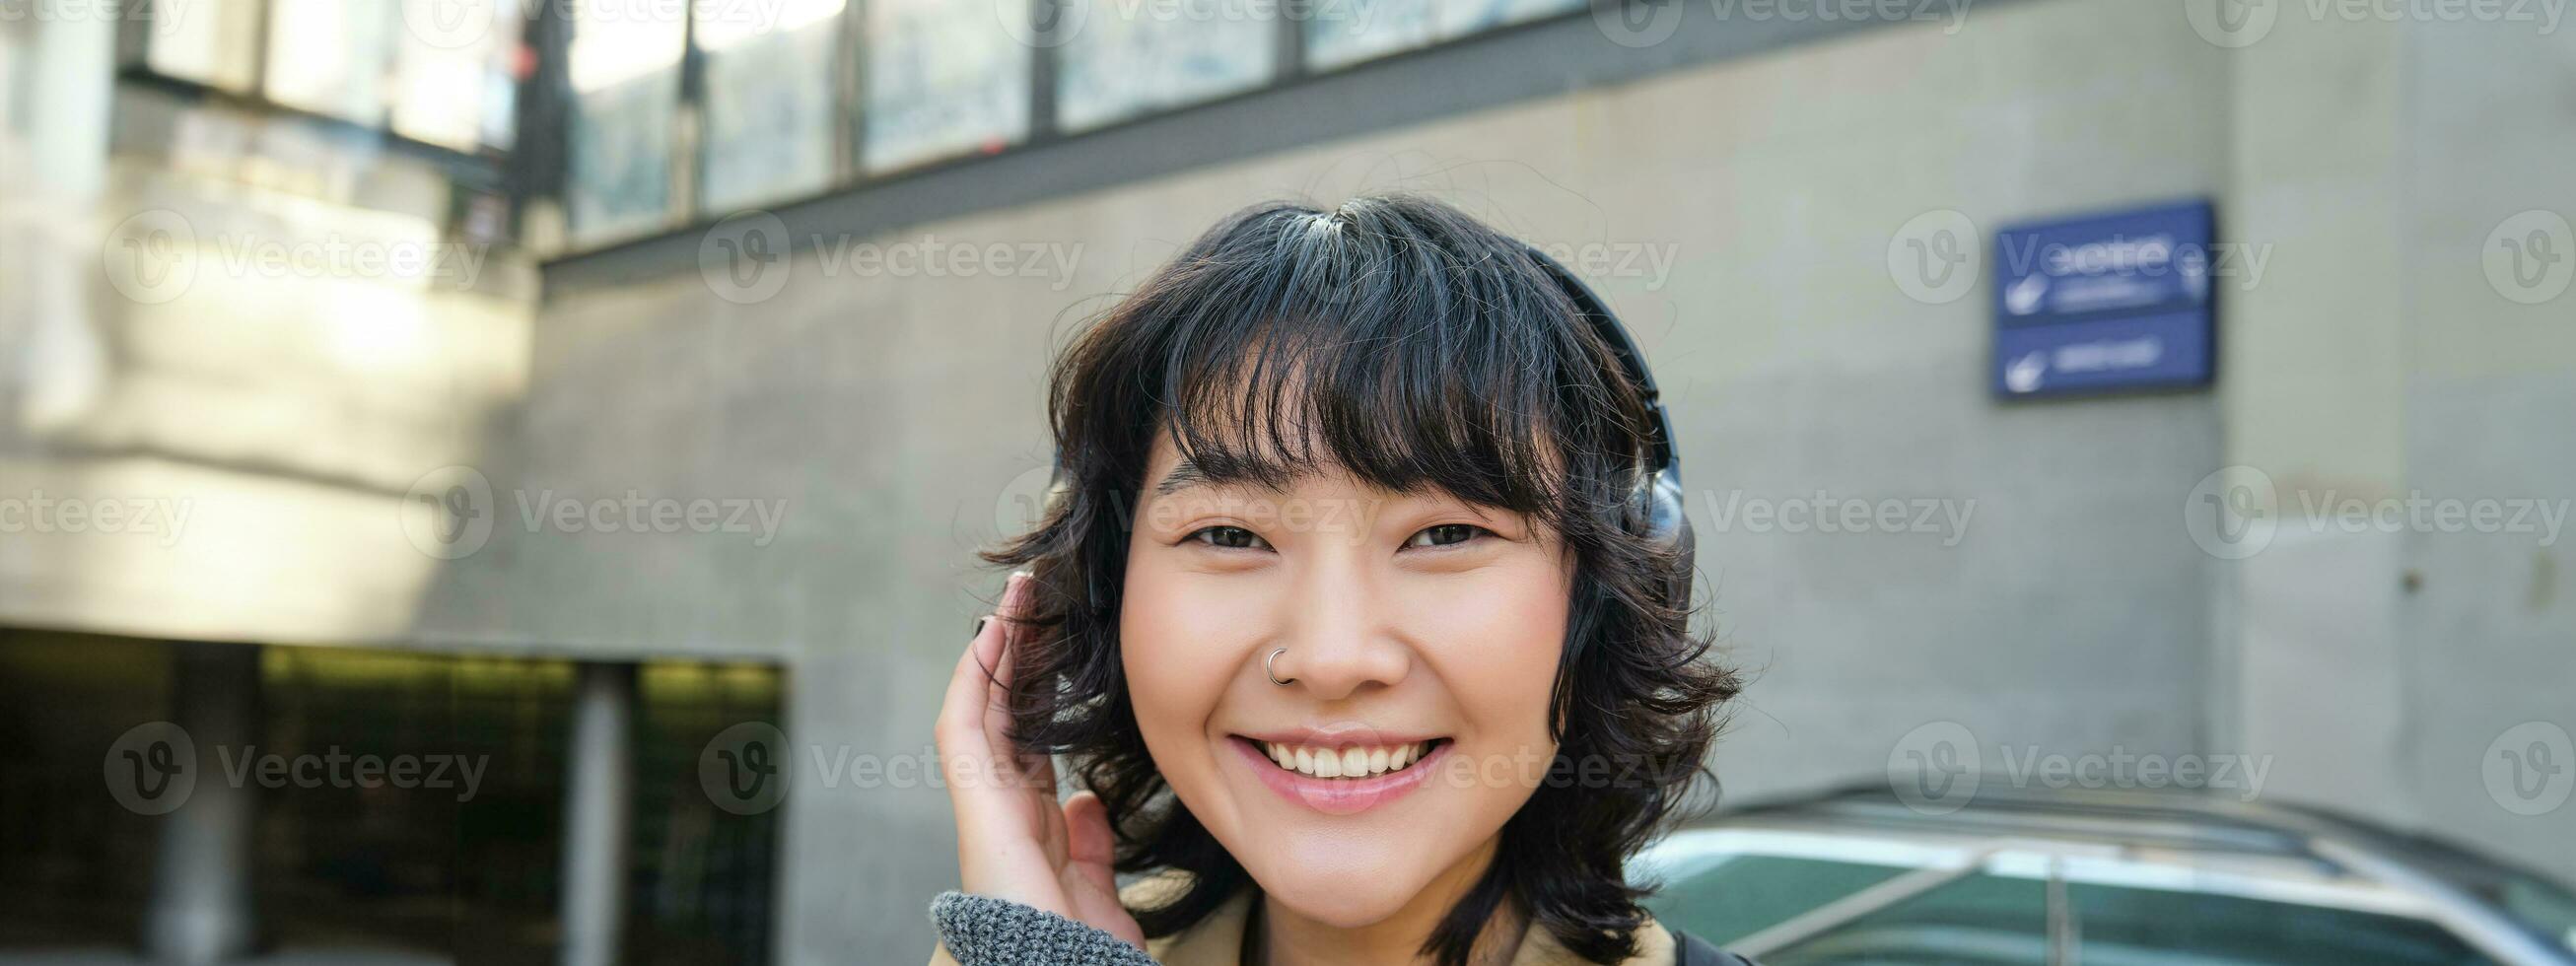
(1351,762)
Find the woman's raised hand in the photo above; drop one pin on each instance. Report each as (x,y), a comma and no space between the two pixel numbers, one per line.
(1014,841)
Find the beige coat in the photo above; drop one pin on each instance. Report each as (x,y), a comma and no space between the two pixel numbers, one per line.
(1217,939)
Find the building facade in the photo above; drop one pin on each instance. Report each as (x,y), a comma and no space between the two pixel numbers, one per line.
(756,399)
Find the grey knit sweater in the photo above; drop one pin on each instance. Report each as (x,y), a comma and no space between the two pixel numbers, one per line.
(984,931)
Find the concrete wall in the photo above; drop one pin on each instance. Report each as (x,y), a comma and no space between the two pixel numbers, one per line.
(2391,669)
(899,416)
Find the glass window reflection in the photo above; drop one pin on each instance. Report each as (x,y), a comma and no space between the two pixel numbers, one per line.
(1343,32)
(624,64)
(212,42)
(769,113)
(943,78)
(1121,59)
(453,82)
(331,57)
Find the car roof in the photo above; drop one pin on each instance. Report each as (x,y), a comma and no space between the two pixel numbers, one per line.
(2334,858)
(2170,819)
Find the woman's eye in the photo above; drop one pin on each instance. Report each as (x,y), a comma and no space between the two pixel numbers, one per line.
(1227,538)
(1445,534)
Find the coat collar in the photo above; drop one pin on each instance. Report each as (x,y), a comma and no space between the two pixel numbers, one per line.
(1218,939)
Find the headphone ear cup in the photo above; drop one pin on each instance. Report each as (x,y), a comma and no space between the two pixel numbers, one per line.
(1668,527)
(1058,492)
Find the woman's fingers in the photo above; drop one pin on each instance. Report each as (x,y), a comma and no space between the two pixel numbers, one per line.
(1037,771)
(1004,627)
(1014,841)
(1007,614)
(960,730)
(1003,827)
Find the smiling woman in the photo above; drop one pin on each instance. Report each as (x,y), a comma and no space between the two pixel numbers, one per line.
(1346,614)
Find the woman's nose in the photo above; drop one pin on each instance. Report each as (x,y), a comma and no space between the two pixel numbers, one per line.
(1340,642)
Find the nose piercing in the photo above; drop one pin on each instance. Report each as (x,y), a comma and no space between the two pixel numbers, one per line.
(1274,675)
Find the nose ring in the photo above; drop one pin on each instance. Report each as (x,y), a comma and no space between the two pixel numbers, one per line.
(1274,675)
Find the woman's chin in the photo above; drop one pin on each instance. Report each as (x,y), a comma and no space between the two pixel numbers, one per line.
(1342,905)
(1343,889)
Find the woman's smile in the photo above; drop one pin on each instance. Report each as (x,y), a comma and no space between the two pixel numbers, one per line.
(1342,774)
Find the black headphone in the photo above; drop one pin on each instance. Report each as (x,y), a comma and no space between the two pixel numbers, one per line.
(1655,511)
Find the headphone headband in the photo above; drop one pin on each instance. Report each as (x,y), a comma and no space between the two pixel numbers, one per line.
(1596,313)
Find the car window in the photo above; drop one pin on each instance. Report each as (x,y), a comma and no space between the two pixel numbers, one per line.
(1979,920)
(1998,920)
(1727,897)
(2547,909)
(2206,928)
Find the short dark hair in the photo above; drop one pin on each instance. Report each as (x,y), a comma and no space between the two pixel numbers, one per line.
(1429,352)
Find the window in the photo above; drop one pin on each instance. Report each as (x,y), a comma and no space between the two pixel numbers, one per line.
(1123,59)
(1982,918)
(441,72)
(2113,911)
(943,78)
(769,102)
(933,80)
(1343,32)
(2545,908)
(625,71)
(331,57)
(2120,924)
(213,42)
(1724,898)
(454,83)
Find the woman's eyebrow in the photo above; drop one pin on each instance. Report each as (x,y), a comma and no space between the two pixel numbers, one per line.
(1186,474)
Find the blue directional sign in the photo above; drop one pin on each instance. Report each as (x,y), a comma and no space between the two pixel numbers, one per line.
(2105,303)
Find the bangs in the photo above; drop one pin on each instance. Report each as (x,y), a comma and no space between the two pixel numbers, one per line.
(1396,340)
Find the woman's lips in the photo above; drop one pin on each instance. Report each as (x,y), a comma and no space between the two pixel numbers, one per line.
(1342,796)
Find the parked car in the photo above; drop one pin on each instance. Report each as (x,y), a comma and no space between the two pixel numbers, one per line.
(2101,879)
